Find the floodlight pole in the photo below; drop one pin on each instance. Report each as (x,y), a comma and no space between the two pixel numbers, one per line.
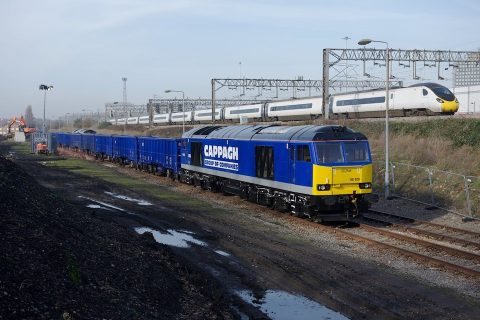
(387,98)
(45,88)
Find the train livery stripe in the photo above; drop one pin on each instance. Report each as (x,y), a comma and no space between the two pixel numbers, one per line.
(263,182)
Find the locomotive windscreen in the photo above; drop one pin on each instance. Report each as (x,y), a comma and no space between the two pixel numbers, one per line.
(443,93)
(356,151)
(341,152)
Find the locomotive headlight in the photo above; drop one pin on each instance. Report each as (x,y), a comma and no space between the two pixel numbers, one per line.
(323,187)
(440,100)
(366,185)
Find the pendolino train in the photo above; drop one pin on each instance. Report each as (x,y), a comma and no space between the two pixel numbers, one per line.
(321,172)
(419,99)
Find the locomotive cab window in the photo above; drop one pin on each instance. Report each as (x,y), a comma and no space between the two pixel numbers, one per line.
(196,151)
(356,151)
(264,162)
(329,152)
(443,93)
(303,153)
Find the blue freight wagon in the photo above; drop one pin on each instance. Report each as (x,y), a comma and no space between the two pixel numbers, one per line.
(125,149)
(103,146)
(75,141)
(88,143)
(159,154)
(62,139)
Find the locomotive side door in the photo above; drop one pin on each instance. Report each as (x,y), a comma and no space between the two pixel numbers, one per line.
(291,156)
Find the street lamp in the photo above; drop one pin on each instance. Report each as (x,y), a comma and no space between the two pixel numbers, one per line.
(45,88)
(183,107)
(364,42)
(116,113)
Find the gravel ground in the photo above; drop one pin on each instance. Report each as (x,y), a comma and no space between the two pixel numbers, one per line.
(419,211)
(58,262)
(296,227)
(268,250)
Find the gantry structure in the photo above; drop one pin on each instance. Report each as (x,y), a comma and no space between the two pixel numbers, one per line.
(331,59)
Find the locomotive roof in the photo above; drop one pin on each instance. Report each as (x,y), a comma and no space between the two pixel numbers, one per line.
(275,132)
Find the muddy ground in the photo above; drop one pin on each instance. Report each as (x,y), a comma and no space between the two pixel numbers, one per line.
(60,260)
(70,249)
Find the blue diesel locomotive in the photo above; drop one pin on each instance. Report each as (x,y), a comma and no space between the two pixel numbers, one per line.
(320,172)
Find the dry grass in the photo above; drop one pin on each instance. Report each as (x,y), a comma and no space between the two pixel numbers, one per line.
(429,152)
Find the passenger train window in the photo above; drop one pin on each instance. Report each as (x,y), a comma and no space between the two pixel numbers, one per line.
(425,92)
(303,153)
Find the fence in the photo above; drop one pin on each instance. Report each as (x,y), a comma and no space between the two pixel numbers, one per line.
(441,189)
(37,137)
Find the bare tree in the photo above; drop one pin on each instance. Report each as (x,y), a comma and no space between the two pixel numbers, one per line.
(29,118)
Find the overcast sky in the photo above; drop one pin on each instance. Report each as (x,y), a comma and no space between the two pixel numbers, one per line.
(84,47)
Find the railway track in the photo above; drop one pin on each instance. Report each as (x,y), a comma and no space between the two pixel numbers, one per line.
(448,248)
(457,236)
(444,247)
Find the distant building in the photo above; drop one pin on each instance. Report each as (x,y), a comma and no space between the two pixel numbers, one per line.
(469,98)
(466,74)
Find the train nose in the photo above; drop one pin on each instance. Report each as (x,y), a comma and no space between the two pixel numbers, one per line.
(449,106)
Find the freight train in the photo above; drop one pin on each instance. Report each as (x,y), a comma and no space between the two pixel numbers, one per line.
(320,172)
(419,99)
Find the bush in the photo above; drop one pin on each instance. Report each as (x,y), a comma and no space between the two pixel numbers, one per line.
(104,124)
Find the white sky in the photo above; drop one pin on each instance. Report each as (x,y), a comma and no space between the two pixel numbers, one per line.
(85,47)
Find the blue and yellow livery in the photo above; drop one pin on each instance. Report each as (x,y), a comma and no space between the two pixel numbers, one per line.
(322,172)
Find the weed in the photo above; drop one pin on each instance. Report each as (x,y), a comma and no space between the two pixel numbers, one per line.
(73,270)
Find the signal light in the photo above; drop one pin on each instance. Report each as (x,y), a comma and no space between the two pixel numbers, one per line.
(366,185)
(323,187)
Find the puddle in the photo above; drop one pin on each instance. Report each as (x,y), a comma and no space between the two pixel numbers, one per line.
(106,205)
(96,206)
(172,238)
(281,305)
(140,202)
(222,253)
